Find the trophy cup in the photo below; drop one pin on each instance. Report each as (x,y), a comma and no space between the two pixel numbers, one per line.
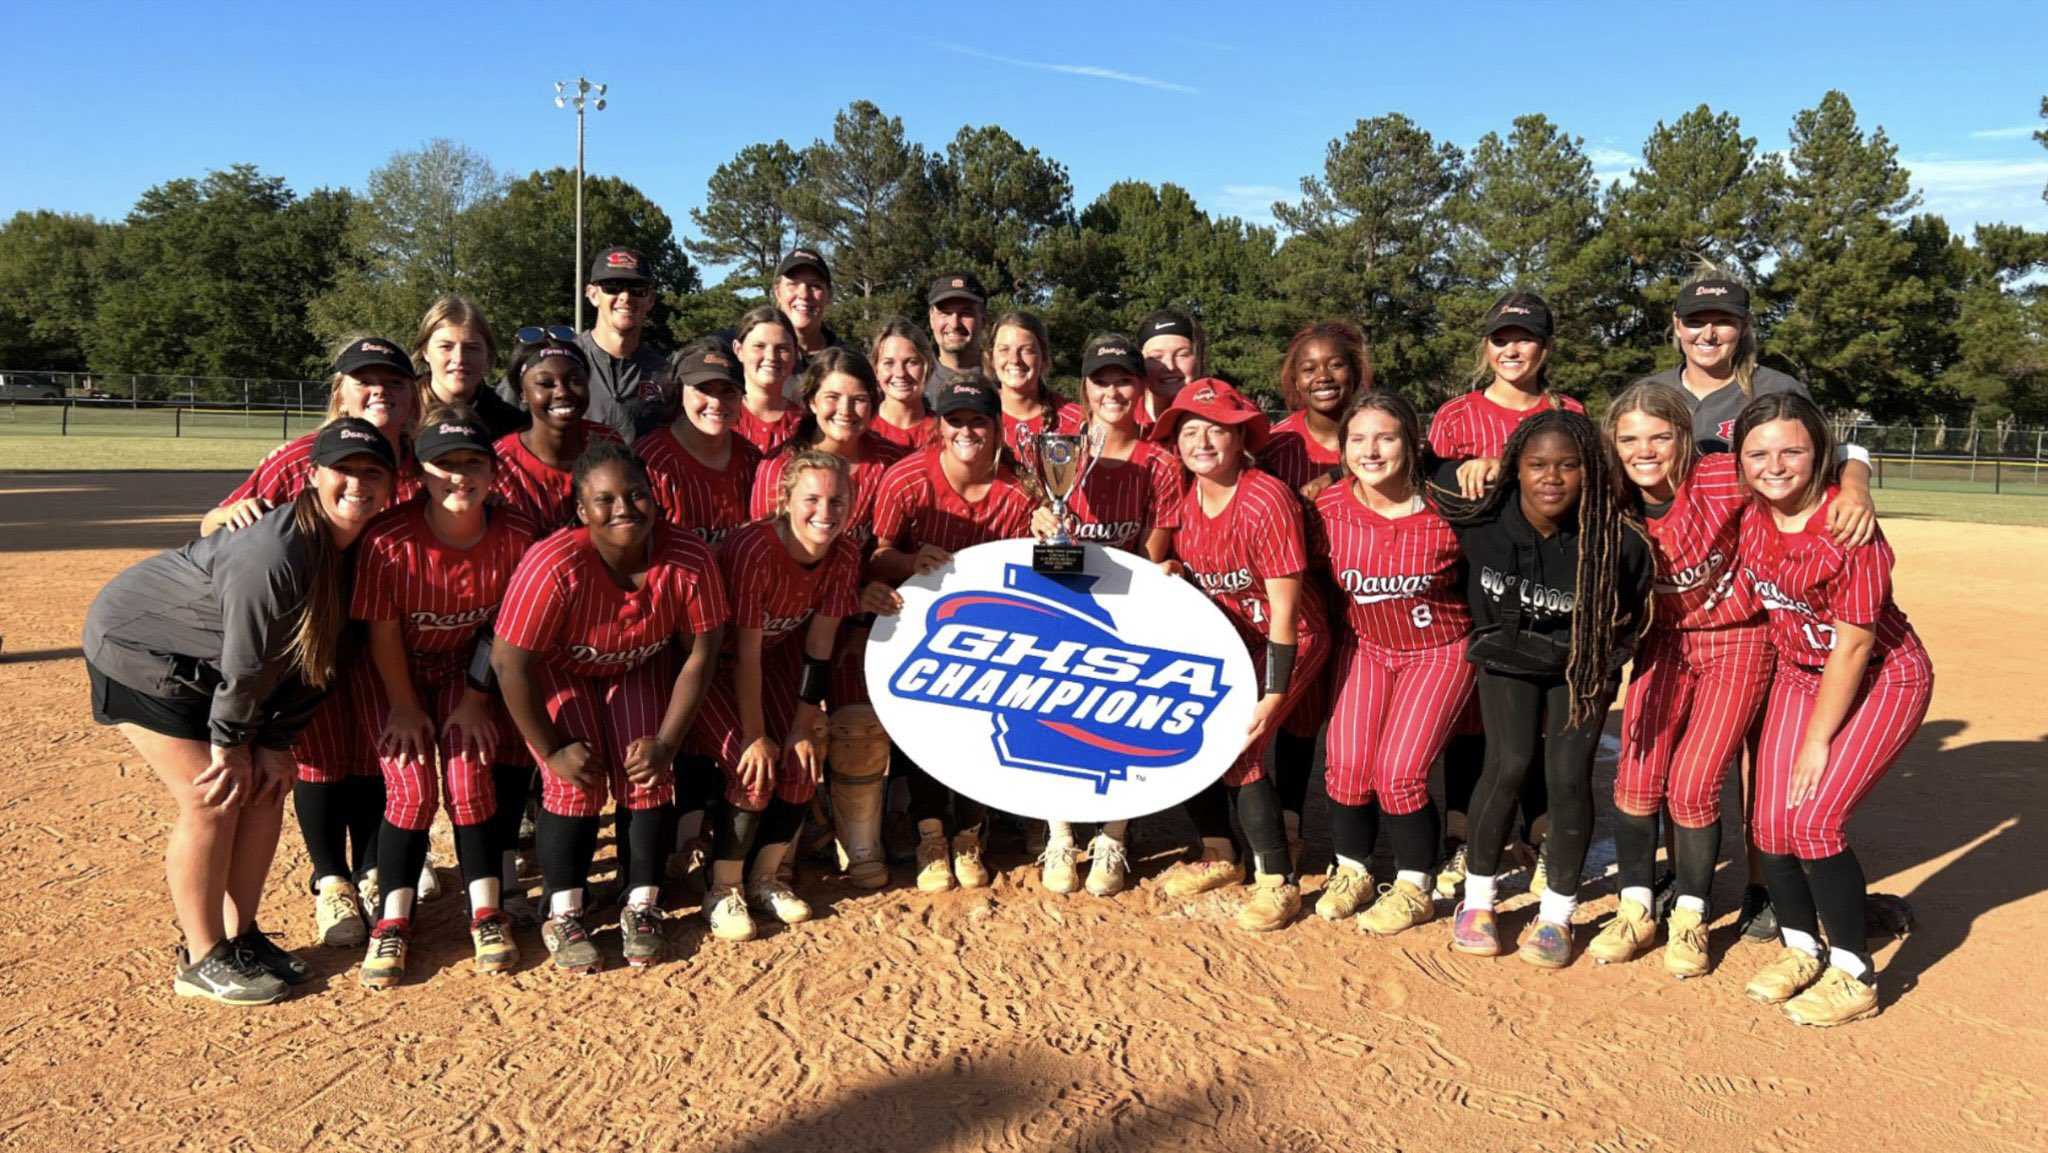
(1060,462)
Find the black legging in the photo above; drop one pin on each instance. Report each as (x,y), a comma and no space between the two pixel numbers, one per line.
(337,817)
(931,800)
(1258,813)
(1520,714)
(1465,760)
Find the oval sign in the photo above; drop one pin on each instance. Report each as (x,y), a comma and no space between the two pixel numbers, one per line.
(1100,697)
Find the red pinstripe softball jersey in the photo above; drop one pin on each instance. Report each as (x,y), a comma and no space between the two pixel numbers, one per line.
(1401,580)
(285,473)
(916,436)
(1471,426)
(1232,555)
(917,507)
(440,595)
(1806,582)
(1122,501)
(1696,544)
(772,592)
(1066,416)
(1293,455)
(565,606)
(544,493)
(764,435)
(708,502)
(876,455)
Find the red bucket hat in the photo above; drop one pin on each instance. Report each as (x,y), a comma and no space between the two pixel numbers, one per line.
(1213,400)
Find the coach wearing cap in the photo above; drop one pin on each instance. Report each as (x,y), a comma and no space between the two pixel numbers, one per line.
(625,371)
(958,308)
(1719,375)
(803,291)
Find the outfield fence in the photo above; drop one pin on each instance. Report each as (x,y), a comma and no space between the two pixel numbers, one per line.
(143,388)
(156,419)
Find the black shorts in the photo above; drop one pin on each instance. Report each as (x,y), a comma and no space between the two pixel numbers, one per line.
(114,703)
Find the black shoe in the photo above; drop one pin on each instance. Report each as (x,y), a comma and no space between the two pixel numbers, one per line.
(277,962)
(1757,921)
(228,975)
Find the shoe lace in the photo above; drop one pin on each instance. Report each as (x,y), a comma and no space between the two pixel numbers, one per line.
(490,930)
(387,946)
(639,920)
(1108,853)
(731,904)
(568,929)
(1058,854)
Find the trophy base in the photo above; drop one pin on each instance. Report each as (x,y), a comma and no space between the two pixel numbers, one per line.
(1058,559)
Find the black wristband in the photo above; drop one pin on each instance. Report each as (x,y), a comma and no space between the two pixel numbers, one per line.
(817,674)
(1279,666)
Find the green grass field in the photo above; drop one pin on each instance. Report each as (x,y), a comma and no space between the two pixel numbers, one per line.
(90,420)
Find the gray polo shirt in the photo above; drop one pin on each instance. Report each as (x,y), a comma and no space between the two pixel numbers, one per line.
(620,387)
(1713,416)
(213,619)
(938,377)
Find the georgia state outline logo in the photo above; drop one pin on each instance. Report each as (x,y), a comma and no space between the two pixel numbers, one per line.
(1058,697)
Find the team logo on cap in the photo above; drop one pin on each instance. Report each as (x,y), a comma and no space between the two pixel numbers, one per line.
(1204,395)
(717,358)
(352,434)
(625,260)
(1068,694)
(376,346)
(447,429)
(1111,349)
(1513,310)
(1709,290)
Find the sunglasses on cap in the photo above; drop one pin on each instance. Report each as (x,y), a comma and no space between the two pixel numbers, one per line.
(535,333)
(629,291)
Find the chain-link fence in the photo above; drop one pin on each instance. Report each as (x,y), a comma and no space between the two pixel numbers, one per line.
(143,388)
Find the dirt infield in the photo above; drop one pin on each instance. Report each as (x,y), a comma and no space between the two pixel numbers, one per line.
(1011,1019)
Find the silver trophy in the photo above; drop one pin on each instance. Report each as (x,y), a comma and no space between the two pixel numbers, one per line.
(1060,462)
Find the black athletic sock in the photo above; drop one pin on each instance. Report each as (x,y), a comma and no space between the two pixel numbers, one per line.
(362,804)
(400,853)
(1635,849)
(476,852)
(1838,887)
(1464,760)
(652,836)
(1698,851)
(1354,829)
(1415,837)
(565,846)
(622,845)
(1210,810)
(1293,764)
(1791,895)
(1258,813)
(512,784)
(736,832)
(323,826)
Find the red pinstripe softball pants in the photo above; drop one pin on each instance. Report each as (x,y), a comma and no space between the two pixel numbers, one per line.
(332,747)
(410,785)
(1309,659)
(717,731)
(1691,697)
(1395,710)
(1889,708)
(607,714)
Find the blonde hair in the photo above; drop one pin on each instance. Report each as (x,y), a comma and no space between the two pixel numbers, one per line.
(456,310)
(809,460)
(1745,343)
(1662,402)
(334,385)
(316,638)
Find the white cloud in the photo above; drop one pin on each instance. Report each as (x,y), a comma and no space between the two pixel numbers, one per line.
(2017,132)
(1252,203)
(1612,164)
(1089,70)
(1971,192)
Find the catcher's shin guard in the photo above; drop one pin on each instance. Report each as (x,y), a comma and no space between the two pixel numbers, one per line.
(859,754)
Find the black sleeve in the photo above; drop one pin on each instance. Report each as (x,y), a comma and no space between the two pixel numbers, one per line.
(1638,572)
(1440,487)
(260,600)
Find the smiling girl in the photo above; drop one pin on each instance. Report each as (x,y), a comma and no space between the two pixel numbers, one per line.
(1019,361)
(536,465)
(767,349)
(902,359)
(701,471)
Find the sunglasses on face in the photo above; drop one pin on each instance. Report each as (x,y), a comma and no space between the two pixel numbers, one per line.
(629,291)
(535,333)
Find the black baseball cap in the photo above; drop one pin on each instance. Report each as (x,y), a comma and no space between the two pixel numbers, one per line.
(970,393)
(704,366)
(1166,322)
(956,286)
(444,434)
(373,352)
(1713,294)
(349,436)
(804,258)
(1523,310)
(619,266)
(1111,350)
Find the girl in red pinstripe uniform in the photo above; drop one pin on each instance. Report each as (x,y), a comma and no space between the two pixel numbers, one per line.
(536,465)
(767,349)
(429,576)
(955,493)
(1402,676)
(1130,500)
(1239,538)
(337,794)
(1699,678)
(1019,360)
(701,471)
(586,659)
(1326,365)
(1852,686)
(1510,384)
(902,358)
(793,576)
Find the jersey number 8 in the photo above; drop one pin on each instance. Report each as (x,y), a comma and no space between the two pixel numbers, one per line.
(1421,617)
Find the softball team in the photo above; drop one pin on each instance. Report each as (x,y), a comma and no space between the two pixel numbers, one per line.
(540,597)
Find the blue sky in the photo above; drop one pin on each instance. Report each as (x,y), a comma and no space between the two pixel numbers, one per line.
(1235,102)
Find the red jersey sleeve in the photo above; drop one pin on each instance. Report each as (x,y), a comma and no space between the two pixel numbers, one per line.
(839,595)
(1163,470)
(372,599)
(767,479)
(747,571)
(1274,531)
(1716,482)
(1859,592)
(537,602)
(892,503)
(709,607)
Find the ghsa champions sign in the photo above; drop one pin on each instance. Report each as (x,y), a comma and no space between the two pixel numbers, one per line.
(1111,694)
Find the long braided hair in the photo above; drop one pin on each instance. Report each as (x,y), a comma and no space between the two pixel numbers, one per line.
(1596,606)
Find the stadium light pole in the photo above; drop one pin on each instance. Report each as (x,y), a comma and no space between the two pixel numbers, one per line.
(583,91)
